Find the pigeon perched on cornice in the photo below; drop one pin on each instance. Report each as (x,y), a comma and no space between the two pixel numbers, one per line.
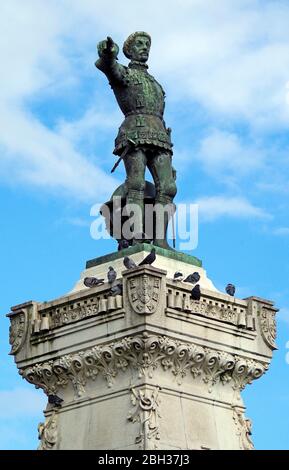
(55,400)
(231,289)
(193,278)
(196,292)
(92,281)
(111,275)
(116,290)
(150,259)
(178,276)
(129,263)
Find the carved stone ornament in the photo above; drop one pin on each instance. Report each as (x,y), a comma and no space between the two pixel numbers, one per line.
(268,326)
(47,432)
(244,429)
(218,310)
(144,354)
(144,293)
(146,412)
(17,330)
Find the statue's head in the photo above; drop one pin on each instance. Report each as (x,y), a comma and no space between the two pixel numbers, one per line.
(137,46)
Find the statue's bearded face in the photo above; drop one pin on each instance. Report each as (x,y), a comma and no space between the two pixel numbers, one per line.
(140,49)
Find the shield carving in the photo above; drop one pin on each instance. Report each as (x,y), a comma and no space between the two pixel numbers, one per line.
(144,293)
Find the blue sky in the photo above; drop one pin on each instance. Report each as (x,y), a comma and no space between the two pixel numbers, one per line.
(225,68)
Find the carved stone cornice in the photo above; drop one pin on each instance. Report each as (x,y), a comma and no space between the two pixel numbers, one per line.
(71,311)
(235,313)
(144,354)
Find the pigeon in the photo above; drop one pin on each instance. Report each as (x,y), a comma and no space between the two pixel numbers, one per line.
(193,278)
(196,292)
(123,244)
(129,263)
(150,259)
(92,281)
(178,276)
(55,400)
(111,275)
(116,290)
(231,289)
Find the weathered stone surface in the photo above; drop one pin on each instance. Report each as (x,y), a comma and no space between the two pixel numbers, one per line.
(129,366)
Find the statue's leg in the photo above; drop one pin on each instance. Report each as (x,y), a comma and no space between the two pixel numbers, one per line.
(161,169)
(135,165)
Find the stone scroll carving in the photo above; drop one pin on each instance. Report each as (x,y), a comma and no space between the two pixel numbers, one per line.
(146,412)
(47,432)
(243,429)
(144,354)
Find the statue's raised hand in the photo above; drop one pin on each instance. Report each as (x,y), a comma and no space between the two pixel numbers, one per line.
(107,48)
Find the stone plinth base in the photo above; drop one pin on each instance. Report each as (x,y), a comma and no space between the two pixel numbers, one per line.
(148,369)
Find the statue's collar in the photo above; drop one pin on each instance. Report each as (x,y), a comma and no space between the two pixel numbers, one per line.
(135,64)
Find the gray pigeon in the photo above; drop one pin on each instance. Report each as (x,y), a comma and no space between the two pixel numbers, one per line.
(231,289)
(116,290)
(178,276)
(193,278)
(196,292)
(111,275)
(122,245)
(55,400)
(92,281)
(129,263)
(150,259)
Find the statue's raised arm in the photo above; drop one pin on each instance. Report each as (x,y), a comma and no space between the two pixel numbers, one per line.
(108,51)
(143,140)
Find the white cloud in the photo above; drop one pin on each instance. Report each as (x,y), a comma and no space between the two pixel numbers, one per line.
(43,158)
(230,57)
(223,153)
(212,208)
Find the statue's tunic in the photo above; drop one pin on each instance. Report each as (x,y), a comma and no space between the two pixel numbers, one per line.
(142,101)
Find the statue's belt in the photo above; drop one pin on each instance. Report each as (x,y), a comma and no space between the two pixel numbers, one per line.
(144,113)
(142,135)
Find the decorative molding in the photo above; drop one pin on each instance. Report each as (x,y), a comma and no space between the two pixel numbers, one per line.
(144,292)
(145,354)
(244,429)
(48,432)
(146,412)
(218,310)
(74,311)
(268,326)
(17,330)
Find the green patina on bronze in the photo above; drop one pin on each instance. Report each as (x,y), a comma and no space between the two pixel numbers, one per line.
(143,140)
(177,256)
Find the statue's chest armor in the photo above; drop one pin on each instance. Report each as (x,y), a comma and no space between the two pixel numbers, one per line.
(141,94)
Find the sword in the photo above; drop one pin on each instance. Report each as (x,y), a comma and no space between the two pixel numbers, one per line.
(130,143)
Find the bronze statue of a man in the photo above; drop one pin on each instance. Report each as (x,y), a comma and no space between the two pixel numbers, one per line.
(143,139)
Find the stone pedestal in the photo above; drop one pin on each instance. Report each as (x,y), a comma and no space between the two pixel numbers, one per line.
(148,369)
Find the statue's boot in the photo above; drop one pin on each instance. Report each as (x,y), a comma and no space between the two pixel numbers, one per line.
(167,210)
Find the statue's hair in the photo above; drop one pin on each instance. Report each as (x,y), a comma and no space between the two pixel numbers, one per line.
(131,39)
